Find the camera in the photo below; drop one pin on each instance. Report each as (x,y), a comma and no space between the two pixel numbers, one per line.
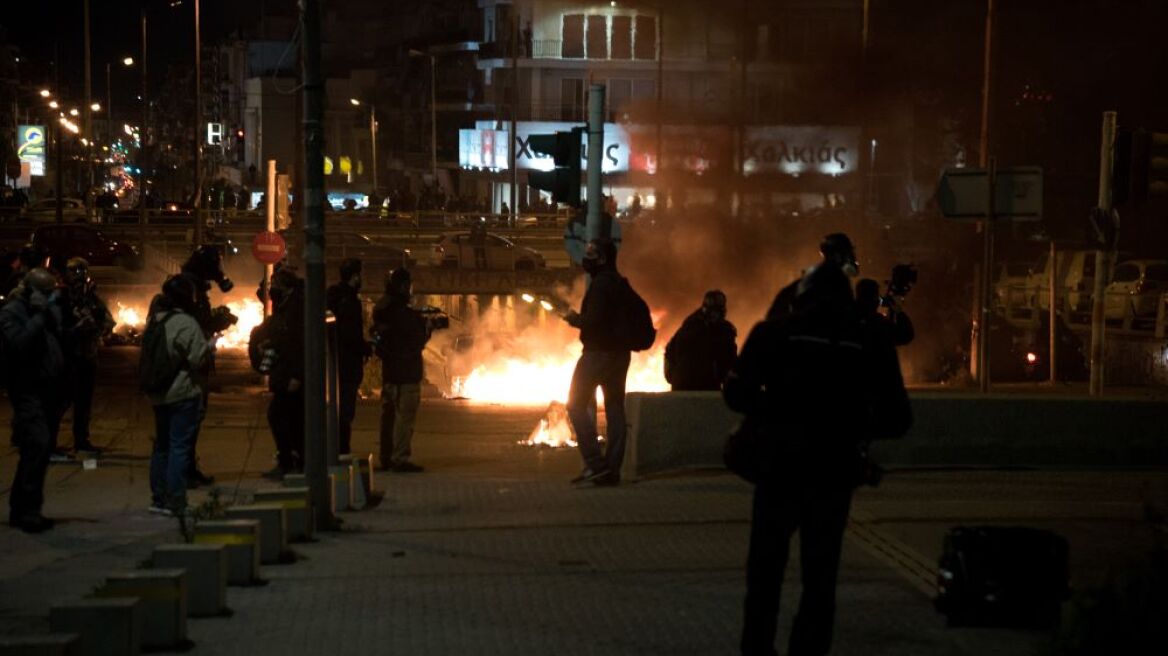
(435,318)
(222,319)
(904,276)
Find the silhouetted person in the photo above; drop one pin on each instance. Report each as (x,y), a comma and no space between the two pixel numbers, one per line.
(838,255)
(701,352)
(284,336)
(896,327)
(400,334)
(86,321)
(352,347)
(30,325)
(604,364)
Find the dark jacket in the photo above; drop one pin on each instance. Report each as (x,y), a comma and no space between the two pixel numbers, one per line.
(33,356)
(352,348)
(700,354)
(87,320)
(285,335)
(598,324)
(400,334)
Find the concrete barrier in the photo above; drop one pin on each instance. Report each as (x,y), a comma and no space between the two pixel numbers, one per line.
(242,538)
(163,593)
(53,644)
(340,485)
(363,471)
(294,480)
(206,567)
(297,508)
(105,627)
(273,528)
(686,430)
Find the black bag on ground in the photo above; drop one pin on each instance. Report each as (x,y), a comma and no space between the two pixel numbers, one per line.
(1002,576)
(156,368)
(637,327)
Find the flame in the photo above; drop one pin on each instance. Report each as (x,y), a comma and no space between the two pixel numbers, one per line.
(554,430)
(251,314)
(128,317)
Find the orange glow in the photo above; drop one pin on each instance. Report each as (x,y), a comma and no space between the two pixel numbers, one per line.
(251,314)
(128,317)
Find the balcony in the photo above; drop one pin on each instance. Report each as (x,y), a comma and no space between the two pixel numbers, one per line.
(546,49)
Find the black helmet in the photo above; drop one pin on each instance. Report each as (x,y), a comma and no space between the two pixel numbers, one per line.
(180,290)
(399,283)
(350,266)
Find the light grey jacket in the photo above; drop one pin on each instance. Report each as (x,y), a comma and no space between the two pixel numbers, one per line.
(186,343)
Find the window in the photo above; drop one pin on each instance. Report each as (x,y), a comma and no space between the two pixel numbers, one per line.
(597,37)
(622,37)
(571,99)
(573,44)
(620,95)
(645,38)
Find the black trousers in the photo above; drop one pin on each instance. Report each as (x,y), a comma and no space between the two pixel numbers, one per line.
(346,411)
(36,414)
(286,419)
(819,510)
(81,384)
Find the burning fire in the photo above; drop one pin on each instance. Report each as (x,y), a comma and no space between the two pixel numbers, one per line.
(128,318)
(251,314)
(554,429)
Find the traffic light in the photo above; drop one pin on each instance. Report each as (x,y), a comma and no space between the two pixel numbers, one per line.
(1141,166)
(563,181)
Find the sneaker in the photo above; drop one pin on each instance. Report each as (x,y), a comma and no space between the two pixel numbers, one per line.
(407,468)
(59,456)
(589,475)
(608,480)
(159,509)
(32,523)
(88,450)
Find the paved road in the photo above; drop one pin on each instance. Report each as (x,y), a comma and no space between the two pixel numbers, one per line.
(491,551)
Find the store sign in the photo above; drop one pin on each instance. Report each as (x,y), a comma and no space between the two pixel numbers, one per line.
(796,150)
(482,149)
(616,145)
(30,147)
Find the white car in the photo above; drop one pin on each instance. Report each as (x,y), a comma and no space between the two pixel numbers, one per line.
(1136,287)
(72,209)
(455,251)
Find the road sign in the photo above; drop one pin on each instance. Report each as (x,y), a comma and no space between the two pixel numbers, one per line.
(268,247)
(963,193)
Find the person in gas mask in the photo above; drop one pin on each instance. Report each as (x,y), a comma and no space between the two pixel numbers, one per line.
(895,326)
(203,267)
(86,321)
(400,333)
(284,346)
(30,258)
(352,347)
(30,325)
(838,265)
(701,352)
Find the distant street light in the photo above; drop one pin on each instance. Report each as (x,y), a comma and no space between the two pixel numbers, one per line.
(45,93)
(95,107)
(54,104)
(372,136)
(74,112)
(128,61)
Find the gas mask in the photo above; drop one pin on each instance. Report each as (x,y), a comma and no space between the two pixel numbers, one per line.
(225,284)
(591,265)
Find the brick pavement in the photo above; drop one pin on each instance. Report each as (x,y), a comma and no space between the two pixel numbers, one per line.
(489,552)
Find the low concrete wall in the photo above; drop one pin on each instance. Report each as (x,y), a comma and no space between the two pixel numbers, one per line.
(685,430)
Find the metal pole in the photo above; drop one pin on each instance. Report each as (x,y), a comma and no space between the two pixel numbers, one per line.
(514,110)
(373,139)
(660,90)
(142,143)
(315,427)
(1102,259)
(1052,317)
(270,210)
(198,131)
(109,101)
(981,346)
(596,228)
(88,109)
(60,170)
(433,125)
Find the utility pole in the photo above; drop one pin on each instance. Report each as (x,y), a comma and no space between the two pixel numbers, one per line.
(59,182)
(373,140)
(1102,258)
(198,131)
(660,100)
(315,425)
(142,132)
(982,355)
(88,109)
(596,226)
(1052,313)
(514,110)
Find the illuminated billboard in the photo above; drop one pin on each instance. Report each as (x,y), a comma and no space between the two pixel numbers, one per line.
(30,147)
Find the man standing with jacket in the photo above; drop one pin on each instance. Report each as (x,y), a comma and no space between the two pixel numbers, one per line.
(87,321)
(179,407)
(702,351)
(604,364)
(400,333)
(30,327)
(285,340)
(352,347)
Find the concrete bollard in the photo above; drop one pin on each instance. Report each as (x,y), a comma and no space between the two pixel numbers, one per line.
(242,538)
(206,567)
(273,528)
(163,593)
(105,627)
(53,644)
(295,480)
(362,476)
(297,509)
(341,481)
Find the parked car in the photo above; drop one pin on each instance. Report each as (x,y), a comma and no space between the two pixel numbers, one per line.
(342,244)
(455,250)
(72,210)
(75,240)
(1136,287)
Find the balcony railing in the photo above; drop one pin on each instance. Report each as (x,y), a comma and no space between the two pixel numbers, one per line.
(547,49)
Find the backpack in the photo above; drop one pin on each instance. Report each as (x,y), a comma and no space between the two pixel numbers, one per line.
(257,344)
(637,329)
(156,368)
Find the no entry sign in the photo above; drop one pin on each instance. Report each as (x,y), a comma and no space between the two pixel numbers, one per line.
(268,247)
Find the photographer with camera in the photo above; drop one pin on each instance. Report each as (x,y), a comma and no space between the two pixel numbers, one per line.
(277,350)
(400,333)
(894,325)
(34,364)
(87,320)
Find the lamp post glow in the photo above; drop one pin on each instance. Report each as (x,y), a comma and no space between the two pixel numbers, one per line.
(372,136)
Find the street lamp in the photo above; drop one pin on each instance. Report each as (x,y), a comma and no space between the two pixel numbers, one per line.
(54,104)
(372,136)
(128,61)
(45,93)
(433,117)
(95,107)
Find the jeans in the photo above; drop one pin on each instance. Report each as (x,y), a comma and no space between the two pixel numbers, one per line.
(83,380)
(286,419)
(175,426)
(819,510)
(35,415)
(346,411)
(399,409)
(606,370)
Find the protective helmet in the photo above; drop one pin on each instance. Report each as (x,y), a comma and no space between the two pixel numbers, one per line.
(399,282)
(76,271)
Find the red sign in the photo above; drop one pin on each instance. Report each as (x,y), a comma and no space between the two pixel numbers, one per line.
(268,247)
